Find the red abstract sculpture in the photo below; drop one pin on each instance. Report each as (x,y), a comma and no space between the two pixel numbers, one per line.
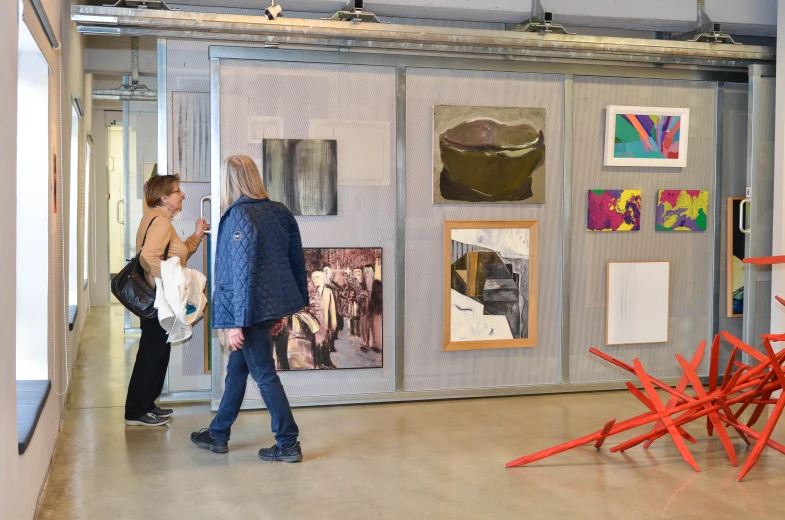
(742,385)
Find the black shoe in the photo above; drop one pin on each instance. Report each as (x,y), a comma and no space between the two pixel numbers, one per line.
(205,440)
(147,419)
(162,412)
(293,454)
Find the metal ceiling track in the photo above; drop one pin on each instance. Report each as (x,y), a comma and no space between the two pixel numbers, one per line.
(410,39)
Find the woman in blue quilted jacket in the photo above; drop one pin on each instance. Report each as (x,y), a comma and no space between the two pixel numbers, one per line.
(260,279)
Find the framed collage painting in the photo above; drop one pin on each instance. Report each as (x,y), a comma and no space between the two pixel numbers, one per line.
(490,284)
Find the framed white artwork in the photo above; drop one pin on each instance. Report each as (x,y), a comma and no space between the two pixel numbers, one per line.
(637,303)
(646,136)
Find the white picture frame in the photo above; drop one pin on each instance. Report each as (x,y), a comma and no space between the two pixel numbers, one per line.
(611,159)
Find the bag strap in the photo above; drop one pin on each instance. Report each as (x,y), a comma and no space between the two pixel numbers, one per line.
(145,234)
(166,251)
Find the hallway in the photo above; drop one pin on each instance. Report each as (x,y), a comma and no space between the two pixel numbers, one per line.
(414,460)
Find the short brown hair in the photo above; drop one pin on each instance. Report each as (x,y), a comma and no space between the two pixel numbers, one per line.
(157,187)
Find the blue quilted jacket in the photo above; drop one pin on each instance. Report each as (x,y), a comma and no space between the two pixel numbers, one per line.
(259,265)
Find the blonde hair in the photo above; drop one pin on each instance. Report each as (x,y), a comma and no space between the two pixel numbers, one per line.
(239,177)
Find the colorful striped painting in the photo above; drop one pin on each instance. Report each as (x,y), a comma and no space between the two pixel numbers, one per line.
(682,210)
(647,136)
(614,210)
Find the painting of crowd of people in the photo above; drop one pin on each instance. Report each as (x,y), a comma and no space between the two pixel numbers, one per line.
(342,325)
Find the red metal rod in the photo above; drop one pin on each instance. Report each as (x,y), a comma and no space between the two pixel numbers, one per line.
(773,418)
(714,366)
(674,400)
(685,418)
(766,260)
(604,433)
(700,392)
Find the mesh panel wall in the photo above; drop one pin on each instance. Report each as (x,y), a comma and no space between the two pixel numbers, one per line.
(690,254)
(292,101)
(427,366)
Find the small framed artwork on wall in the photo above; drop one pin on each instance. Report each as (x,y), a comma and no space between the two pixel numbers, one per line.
(682,210)
(490,284)
(646,136)
(637,306)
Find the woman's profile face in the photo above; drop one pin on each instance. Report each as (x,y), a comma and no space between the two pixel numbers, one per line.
(174,201)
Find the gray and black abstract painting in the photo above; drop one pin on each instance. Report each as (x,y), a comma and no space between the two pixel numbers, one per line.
(303,174)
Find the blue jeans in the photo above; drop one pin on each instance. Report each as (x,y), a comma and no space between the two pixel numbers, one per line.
(256,358)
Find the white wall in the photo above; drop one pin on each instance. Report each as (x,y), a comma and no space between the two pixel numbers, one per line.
(9,460)
(21,477)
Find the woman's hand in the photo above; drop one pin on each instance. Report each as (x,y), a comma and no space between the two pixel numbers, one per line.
(201,226)
(236,338)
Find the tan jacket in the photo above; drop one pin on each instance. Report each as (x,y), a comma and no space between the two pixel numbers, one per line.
(161,233)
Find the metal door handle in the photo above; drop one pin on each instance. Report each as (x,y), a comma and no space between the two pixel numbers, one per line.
(744,230)
(201,211)
(121,222)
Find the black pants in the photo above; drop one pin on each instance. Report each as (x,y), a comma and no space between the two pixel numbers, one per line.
(147,379)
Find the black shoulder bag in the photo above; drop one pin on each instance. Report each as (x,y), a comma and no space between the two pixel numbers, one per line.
(130,286)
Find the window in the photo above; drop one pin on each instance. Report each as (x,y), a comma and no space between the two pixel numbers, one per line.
(73,212)
(88,167)
(33,171)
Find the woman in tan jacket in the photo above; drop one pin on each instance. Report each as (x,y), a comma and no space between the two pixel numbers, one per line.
(163,196)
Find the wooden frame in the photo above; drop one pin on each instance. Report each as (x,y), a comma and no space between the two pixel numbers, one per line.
(531,340)
(610,136)
(607,301)
(729,266)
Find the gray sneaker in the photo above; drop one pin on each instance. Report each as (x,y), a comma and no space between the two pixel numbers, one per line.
(148,419)
(162,412)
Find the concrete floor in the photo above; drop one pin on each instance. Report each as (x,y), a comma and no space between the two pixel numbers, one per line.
(433,460)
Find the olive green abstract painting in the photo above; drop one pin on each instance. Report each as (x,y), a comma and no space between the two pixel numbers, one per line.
(488,155)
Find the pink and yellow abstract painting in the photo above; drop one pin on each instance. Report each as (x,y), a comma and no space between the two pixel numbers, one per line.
(614,210)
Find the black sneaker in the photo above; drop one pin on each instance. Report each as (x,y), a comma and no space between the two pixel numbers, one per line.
(205,440)
(293,454)
(147,419)
(162,412)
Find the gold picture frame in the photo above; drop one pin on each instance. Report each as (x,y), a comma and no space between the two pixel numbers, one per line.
(531,302)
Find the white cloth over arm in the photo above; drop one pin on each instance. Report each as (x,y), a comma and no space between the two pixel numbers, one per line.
(180,299)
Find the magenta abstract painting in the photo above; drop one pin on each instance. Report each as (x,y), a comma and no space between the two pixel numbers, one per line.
(614,210)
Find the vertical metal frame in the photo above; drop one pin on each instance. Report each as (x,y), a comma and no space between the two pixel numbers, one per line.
(718,209)
(569,85)
(163,148)
(400,233)
(163,145)
(126,190)
(215,212)
(754,105)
